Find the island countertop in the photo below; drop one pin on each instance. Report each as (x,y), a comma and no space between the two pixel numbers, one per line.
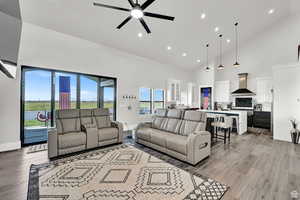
(234,112)
(241,114)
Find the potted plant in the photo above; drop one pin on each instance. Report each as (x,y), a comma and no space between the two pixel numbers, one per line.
(295,133)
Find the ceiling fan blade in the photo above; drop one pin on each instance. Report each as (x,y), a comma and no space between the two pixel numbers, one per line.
(124,22)
(145,25)
(131,3)
(112,7)
(159,16)
(146,4)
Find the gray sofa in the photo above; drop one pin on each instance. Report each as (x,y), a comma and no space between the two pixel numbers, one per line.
(77,130)
(177,133)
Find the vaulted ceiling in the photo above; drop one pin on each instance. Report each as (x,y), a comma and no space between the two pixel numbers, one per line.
(188,33)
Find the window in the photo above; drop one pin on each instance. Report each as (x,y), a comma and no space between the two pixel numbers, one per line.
(158,99)
(150,100)
(107,91)
(88,92)
(145,101)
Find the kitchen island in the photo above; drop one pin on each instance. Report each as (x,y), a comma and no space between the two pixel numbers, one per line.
(241,118)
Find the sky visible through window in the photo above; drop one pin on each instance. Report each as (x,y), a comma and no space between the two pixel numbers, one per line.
(38,87)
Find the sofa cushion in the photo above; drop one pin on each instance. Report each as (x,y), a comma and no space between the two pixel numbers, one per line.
(161,112)
(67,121)
(107,133)
(171,125)
(188,127)
(144,133)
(158,122)
(72,139)
(158,137)
(195,116)
(192,121)
(102,117)
(177,143)
(86,116)
(174,113)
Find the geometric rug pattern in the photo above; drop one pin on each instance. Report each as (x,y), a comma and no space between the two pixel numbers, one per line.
(37,148)
(120,172)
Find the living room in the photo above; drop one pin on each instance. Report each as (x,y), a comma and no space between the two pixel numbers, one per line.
(132,73)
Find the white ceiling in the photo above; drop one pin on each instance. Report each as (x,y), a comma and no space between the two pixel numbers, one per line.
(188,33)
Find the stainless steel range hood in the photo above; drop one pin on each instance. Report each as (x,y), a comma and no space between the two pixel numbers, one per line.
(243,91)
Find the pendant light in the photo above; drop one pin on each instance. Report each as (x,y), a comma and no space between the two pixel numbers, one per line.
(207,64)
(221,67)
(236,64)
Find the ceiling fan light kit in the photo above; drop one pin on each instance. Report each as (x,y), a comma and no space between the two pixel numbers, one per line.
(137,12)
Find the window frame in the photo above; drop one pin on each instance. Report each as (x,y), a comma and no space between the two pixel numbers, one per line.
(25,68)
(152,101)
(163,101)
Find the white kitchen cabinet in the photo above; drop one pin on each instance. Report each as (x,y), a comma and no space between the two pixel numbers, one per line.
(174,91)
(222,91)
(263,91)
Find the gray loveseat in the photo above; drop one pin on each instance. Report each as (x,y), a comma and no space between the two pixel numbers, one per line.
(77,130)
(178,133)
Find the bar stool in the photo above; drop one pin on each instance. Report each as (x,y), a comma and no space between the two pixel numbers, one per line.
(226,128)
(218,119)
(236,120)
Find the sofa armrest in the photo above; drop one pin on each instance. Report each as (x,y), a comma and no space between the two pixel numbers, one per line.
(52,143)
(199,146)
(119,126)
(91,131)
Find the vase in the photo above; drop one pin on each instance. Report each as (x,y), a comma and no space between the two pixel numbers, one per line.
(295,135)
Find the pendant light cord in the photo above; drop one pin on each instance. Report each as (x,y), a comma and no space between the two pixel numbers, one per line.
(236,42)
(207,46)
(220,49)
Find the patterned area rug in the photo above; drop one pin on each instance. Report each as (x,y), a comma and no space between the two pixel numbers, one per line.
(37,148)
(120,172)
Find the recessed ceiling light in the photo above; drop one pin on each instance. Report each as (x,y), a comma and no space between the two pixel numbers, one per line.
(169,48)
(228,40)
(140,35)
(203,16)
(217,29)
(198,61)
(184,54)
(271,11)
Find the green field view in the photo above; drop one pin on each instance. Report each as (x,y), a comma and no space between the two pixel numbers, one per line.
(45,105)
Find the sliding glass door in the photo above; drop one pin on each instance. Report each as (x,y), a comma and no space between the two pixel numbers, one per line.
(45,91)
(37,105)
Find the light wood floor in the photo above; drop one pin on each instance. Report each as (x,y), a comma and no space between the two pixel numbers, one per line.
(254,166)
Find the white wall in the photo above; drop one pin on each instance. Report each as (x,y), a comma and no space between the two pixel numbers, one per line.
(45,48)
(286,99)
(9,105)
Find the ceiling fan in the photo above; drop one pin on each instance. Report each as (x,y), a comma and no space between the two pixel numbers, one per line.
(137,12)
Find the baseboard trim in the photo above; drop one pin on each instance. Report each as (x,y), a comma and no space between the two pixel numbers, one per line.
(10,146)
